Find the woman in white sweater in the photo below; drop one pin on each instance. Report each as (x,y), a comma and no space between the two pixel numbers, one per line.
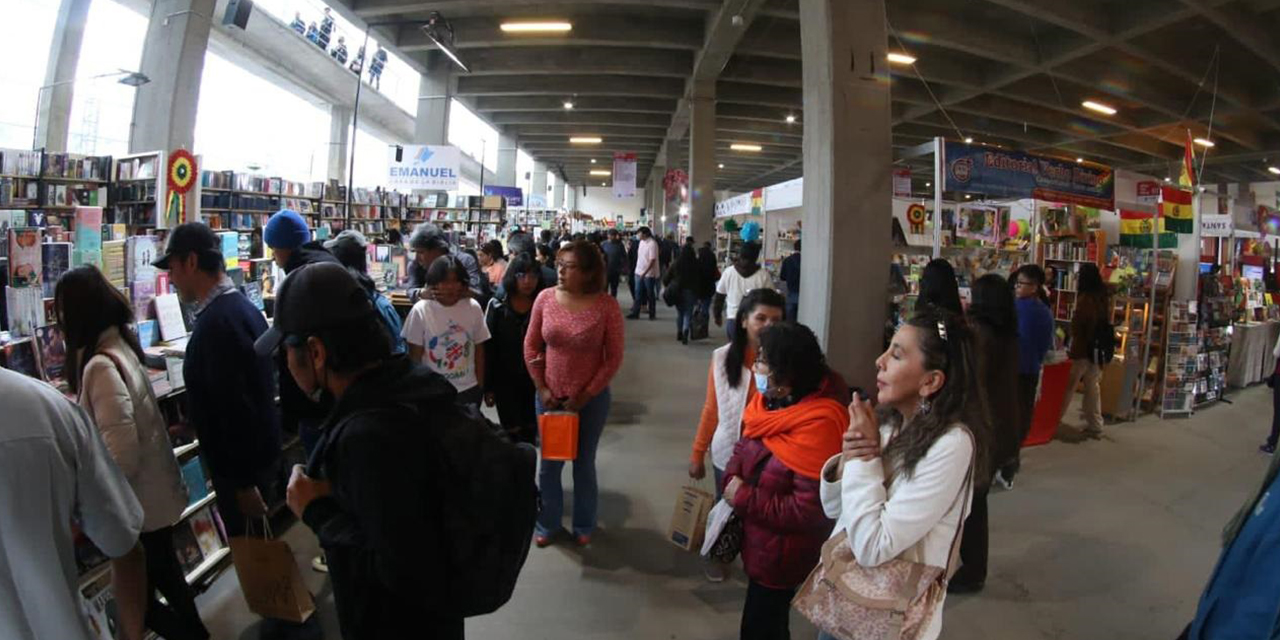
(899,487)
(104,369)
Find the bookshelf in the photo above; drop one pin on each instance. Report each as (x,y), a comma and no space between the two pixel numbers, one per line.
(52,184)
(231,201)
(138,191)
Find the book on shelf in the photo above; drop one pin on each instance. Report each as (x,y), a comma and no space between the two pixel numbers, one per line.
(140,252)
(52,349)
(25,257)
(55,260)
(206,531)
(20,356)
(99,608)
(195,480)
(169,317)
(138,168)
(113,260)
(188,549)
(19,162)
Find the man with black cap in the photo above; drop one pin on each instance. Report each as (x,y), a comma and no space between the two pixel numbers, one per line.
(230,388)
(350,248)
(428,242)
(368,487)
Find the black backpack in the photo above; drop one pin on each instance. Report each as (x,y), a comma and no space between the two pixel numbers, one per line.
(1103,349)
(489,504)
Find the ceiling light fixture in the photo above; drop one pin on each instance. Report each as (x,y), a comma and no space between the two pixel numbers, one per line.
(600,172)
(536,27)
(585,140)
(721,166)
(440,32)
(602,184)
(1204,142)
(928,184)
(1275,170)
(791,118)
(737,146)
(901,58)
(568,104)
(967,196)
(968,140)
(593,161)
(1079,160)
(1099,107)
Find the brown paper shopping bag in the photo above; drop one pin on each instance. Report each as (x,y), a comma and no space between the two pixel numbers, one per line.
(689,521)
(269,578)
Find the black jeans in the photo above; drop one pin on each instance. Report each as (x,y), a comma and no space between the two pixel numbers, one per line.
(766,615)
(1275,414)
(974,542)
(614,279)
(179,620)
(1026,412)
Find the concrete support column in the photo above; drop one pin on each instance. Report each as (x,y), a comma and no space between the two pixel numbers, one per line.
(339,142)
(702,162)
(847,182)
(538,183)
(435,93)
(655,196)
(571,197)
(507,160)
(557,195)
(164,112)
(54,120)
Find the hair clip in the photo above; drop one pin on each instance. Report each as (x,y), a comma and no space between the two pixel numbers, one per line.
(942,330)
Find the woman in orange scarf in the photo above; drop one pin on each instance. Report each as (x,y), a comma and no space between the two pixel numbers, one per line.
(789,430)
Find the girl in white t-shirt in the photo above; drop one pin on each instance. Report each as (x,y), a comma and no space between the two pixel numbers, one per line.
(744,276)
(446,331)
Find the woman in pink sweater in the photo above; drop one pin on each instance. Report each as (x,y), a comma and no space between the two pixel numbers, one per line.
(573,349)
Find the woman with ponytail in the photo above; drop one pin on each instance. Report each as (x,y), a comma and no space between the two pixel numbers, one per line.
(900,486)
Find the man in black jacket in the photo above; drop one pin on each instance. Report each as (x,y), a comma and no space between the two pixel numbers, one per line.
(615,261)
(367,489)
(230,388)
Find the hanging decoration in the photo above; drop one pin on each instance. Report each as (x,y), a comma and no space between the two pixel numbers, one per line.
(916,218)
(181,177)
(675,183)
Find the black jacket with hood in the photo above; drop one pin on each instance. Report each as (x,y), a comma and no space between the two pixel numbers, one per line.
(295,408)
(377,528)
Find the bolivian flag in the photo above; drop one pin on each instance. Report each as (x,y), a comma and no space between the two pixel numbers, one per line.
(1136,227)
(1175,206)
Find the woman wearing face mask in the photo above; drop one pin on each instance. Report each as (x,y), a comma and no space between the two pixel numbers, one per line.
(899,488)
(789,429)
(729,388)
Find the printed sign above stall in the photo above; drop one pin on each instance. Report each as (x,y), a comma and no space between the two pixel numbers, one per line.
(433,167)
(624,175)
(1013,174)
(784,195)
(736,205)
(1215,226)
(514,195)
(902,183)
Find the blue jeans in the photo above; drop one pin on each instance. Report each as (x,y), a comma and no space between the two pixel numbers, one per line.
(729,325)
(684,311)
(586,492)
(646,294)
(823,635)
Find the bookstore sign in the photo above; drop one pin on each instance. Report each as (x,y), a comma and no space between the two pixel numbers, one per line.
(422,166)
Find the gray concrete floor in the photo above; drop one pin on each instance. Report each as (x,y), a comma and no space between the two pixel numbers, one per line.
(1100,540)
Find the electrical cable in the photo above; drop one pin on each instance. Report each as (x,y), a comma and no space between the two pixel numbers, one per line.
(936,102)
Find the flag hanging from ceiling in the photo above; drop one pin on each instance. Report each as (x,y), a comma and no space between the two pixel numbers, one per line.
(624,175)
(1186,178)
(1175,206)
(1136,230)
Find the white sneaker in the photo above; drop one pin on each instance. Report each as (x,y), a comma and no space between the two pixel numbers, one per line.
(1005,483)
(716,571)
(320,563)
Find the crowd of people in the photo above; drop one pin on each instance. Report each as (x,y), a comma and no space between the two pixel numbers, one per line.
(898,473)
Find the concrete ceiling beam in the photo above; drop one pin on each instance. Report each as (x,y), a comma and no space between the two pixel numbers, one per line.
(1245,28)
(561,85)
(565,131)
(493,104)
(383,8)
(757,94)
(598,30)
(576,117)
(580,61)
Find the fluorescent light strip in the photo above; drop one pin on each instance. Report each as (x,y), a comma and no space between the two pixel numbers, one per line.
(585,140)
(536,27)
(600,172)
(1204,142)
(746,147)
(1099,107)
(1275,170)
(901,58)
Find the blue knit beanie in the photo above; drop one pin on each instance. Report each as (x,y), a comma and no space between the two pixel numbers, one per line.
(286,230)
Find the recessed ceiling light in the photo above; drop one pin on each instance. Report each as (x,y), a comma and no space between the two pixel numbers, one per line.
(568,104)
(967,196)
(585,140)
(745,147)
(928,184)
(600,172)
(593,161)
(721,166)
(602,184)
(1168,179)
(791,118)
(1275,170)
(535,27)
(1204,142)
(1099,107)
(968,140)
(1079,160)
(901,58)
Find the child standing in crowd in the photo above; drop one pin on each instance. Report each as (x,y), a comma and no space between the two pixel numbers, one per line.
(448,332)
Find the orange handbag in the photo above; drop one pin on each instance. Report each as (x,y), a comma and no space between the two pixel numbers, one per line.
(559,435)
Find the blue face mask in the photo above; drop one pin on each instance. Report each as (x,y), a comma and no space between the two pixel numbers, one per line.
(762,383)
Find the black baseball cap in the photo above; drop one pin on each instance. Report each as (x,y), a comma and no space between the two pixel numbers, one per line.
(191,237)
(313,298)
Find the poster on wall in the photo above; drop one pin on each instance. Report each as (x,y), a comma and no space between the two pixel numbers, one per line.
(624,175)
(978,223)
(514,195)
(1013,174)
(902,183)
(423,166)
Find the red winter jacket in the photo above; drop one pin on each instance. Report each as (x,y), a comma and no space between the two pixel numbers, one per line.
(782,517)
